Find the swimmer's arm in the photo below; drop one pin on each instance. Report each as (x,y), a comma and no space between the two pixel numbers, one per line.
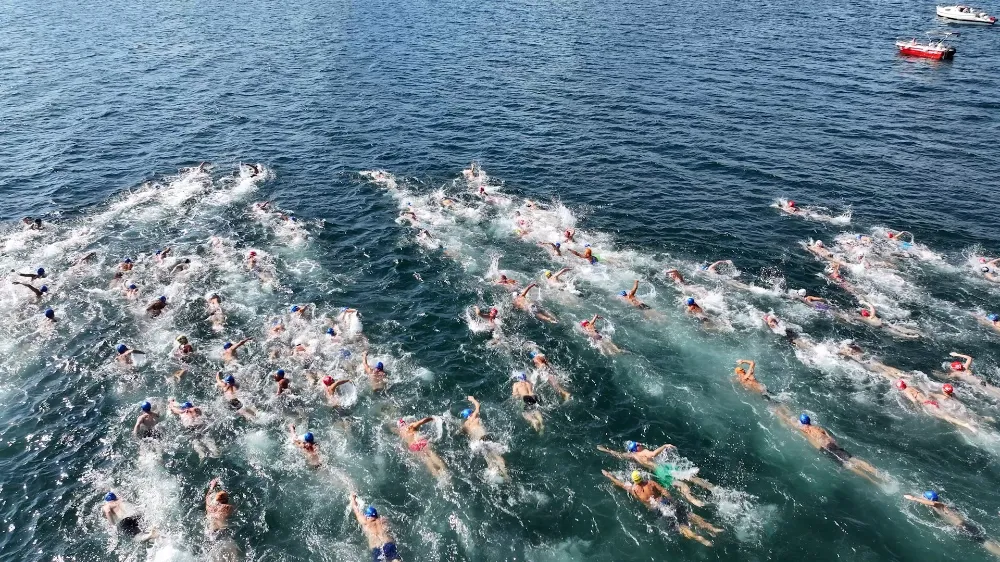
(615,481)
(337,384)
(172,406)
(811,299)
(291,431)
(357,510)
(524,293)
(574,252)
(712,267)
(624,456)
(561,271)
(241,343)
(635,288)
(924,501)
(135,430)
(554,383)
(417,424)
(662,448)
(364,361)
(475,405)
(31,276)
(967,359)
(593,321)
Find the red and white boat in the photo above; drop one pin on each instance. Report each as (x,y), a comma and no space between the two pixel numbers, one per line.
(935,50)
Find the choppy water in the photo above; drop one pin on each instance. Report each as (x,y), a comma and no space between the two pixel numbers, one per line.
(664,134)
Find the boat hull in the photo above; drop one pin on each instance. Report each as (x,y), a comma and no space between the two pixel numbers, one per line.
(936,54)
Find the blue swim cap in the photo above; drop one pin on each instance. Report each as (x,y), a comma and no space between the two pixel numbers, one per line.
(132,286)
(146,406)
(127,260)
(292,218)
(623,294)
(308,437)
(558,245)
(230,380)
(280,373)
(931,495)
(371,512)
(690,301)
(330,331)
(379,366)
(110,497)
(906,245)
(163,298)
(465,413)
(122,348)
(345,353)
(295,308)
(632,446)
(593,260)
(50,314)
(586,245)
(804,419)
(532,354)
(993,317)
(227,345)
(704,268)
(187,406)
(44,289)
(522,377)
(40,272)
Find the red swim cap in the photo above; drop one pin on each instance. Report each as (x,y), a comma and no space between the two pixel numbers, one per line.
(791,203)
(948,389)
(584,323)
(957,366)
(865,312)
(327,380)
(252,253)
(901,384)
(890,234)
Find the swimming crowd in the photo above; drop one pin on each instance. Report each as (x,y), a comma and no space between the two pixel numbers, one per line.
(653,478)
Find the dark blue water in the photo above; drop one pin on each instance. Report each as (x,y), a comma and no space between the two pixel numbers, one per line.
(666,132)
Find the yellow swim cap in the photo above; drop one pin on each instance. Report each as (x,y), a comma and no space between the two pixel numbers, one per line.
(548,273)
(636,477)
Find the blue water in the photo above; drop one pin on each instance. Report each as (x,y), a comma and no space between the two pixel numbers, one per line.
(663,132)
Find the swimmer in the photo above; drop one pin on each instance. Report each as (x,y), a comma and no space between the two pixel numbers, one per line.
(84,258)
(410,216)
(789,207)
(145,424)
(38,274)
(307,443)
(521,302)
(675,276)
(189,415)
(554,279)
(991,320)
(39,292)
(277,327)
(251,263)
(490,315)
(181,266)
(381,543)
(229,349)
(820,250)
(254,170)
(629,297)
(664,472)
(131,291)
(420,445)
(605,344)
(162,254)
(217,506)
(546,369)
(568,235)
(525,392)
(280,382)
(125,265)
(229,388)
(184,348)
(377,375)
(124,519)
(125,354)
(819,303)
(772,322)
(505,281)
(899,236)
(330,387)
(962,370)
(299,311)
(956,520)
(555,246)
(473,427)
(156,307)
(714,267)
(658,499)
(334,336)
(853,352)
(932,407)
(822,440)
(694,309)
(215,313)
(587,254)
(193,420)
(747,379)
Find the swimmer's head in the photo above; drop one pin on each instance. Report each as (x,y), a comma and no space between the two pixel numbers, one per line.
(345,353)
(371,512)
(993,317)
(110,497)
(127,260)
(227,345)
(50,314)
(632,446)
(586,245)
(182,340)
(740,371)
(931,495)
(865,312)
(791,203)
(379,366)
(547,273)
(401,423)
(890,234)
(690,301)
(623,294)
(558,244)
(122,348)
(215,297)
(44,289)
(187,406)
(801,292)
(40,272)
(521,377)
(503,277)
(819,244)
(947,389)
(222,497)
(901,384)
(309,437)
(804,419)
(295,308)
(145,406)
(465,413)
(162,298)
(330,332)
(327,380)
(132,287)
(252,254)
(230,380)
(957,366)
(280,374)
(585,323)
(636,476)
(494,312)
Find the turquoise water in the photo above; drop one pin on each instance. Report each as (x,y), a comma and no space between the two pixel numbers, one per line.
(664,135)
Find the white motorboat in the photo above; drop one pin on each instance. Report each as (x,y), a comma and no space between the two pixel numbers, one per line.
(965,13)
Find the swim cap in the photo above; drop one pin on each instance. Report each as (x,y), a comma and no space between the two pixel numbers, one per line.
(801,292)
(558,245)
(465,413)
(690,301)
(586,245)
(931,495)
(993,317)
(636,476)
(791,203)
(584,323)
(132,286)
(957,366)
(947,389)
(163,298)
(890,234)
(230,380)
(146,406)
(44,289)
(308,437)
(252,253)
(804,419)
(532,354)
(865,312)
(379,366)
(40,272)
(521,377)
(295,308)
(50,314)
(110,497)
(127,260)
(345,353)
(493,310)
(122,348)
(819,243)
(632,446)
(704,267)
(187,406)
(182,340)
(371,512)
(227,345)
(327,380)
(901,384)
(280,373)
(623,294)
(330,332)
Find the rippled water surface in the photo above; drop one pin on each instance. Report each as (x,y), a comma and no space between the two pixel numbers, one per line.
(663,134)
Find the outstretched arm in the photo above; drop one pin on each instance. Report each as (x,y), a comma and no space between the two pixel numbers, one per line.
(337,384)
(593,321)
(135,430)
(364,361)
(924,501)
(603,449)
(635,287)
(662,448)
(357,510)
(524,293)
(967,359)
(241,343)
(712,267)
(614,480)
(417,424)
(33,290)
(475,405)
(291,431)
(561,271)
